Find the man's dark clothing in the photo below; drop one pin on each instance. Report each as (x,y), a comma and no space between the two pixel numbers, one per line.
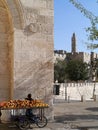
(29,112)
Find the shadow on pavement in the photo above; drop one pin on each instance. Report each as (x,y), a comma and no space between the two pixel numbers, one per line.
(7,126)
(92,109)
(83,122)
(87,128)
(63,118)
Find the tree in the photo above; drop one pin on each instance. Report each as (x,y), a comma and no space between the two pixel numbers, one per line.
(59,71)
(93,29)
(77,70)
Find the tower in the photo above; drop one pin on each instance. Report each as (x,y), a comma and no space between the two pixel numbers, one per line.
(73,45)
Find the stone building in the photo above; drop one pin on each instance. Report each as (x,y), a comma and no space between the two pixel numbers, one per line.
(83,56)
(73,44)
(59,55)
(89,58)
(74,54)
(26,49)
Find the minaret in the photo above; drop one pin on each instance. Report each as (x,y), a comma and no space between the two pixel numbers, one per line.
(73,44)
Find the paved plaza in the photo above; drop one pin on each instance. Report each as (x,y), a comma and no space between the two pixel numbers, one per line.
(69,116)
(79,114)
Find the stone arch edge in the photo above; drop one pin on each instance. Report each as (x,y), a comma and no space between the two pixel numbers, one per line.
(17,12)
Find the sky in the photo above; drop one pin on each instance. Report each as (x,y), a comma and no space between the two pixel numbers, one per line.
(69,20)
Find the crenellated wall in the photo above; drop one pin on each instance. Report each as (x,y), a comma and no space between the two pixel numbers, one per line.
(75,91)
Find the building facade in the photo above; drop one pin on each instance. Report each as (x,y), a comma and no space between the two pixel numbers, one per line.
(26,49)
(59,55)
(89,58)
(74,54)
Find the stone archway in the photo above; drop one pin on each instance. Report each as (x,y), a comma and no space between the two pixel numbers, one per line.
(8,21)
(5,59)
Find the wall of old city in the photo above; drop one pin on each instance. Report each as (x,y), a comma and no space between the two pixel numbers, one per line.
(77,91)
(27,51)
(85,57)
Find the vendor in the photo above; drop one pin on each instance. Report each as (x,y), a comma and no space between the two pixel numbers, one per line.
(29,97)
(29,112)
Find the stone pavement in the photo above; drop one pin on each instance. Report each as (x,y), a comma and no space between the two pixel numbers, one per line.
(79,114)
(50,126)
(69,116)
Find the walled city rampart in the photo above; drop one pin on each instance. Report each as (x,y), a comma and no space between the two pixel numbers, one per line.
(76,91)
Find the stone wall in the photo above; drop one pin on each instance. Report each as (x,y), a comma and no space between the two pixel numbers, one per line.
(85,57)
(33,53)
(5,61)
(30,48)
(75,91)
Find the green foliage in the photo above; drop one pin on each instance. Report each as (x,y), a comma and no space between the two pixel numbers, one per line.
(93,29)
(88,14)
(77,70)
(73,70)
(59,71)
(93,32)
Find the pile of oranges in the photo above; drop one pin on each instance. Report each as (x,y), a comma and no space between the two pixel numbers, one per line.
(14,104)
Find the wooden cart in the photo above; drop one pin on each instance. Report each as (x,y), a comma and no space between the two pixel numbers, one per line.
(22,121)
(18,113)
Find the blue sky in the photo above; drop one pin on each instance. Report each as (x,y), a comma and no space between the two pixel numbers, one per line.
(67,20)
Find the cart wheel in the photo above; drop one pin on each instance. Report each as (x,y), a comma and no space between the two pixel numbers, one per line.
(41,121)
(23,124)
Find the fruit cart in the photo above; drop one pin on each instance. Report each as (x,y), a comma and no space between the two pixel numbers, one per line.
(17,112)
